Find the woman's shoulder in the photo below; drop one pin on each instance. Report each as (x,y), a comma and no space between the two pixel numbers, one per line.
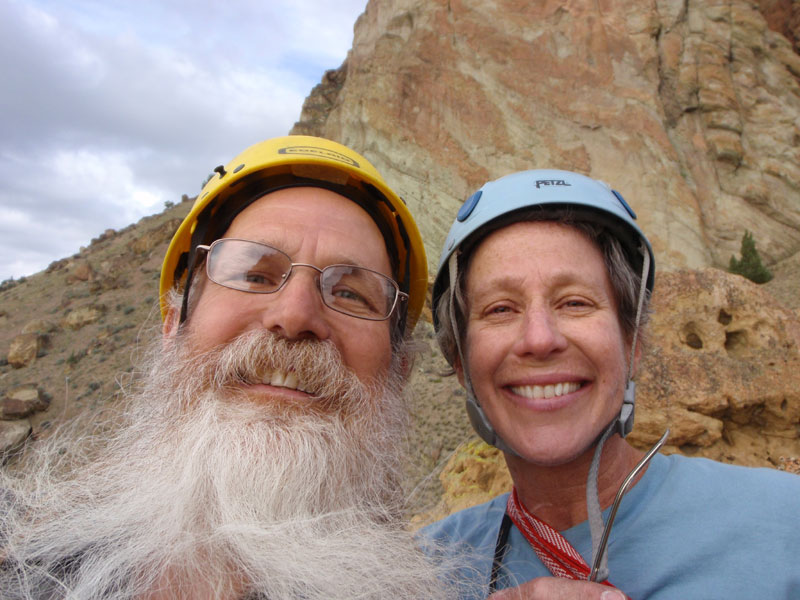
(705,480)
(474,525)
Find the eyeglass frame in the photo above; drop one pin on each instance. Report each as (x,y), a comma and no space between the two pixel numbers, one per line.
(399,294)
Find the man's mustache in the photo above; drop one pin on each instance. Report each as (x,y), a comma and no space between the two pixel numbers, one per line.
(260,356)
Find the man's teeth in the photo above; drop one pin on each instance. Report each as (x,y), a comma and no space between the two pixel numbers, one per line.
(281,379)
(546,391)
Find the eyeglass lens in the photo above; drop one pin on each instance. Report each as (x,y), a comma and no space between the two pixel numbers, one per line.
(257,268)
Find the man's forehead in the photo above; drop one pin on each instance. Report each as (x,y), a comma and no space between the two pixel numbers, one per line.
(301,216)
(284,241)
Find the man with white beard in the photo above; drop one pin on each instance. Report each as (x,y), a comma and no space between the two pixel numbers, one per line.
(260,455)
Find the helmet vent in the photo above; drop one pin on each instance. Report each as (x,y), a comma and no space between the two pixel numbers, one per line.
(466,209)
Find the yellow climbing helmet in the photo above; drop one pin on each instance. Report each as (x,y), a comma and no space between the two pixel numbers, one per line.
(293,161)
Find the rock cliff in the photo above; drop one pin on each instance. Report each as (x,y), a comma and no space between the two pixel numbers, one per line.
(690,109)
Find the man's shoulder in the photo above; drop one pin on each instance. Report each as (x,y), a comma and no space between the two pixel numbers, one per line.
(474,525)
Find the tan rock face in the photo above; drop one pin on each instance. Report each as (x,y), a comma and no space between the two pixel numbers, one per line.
(783,16)
(474,473)
(690,110)
(723,367)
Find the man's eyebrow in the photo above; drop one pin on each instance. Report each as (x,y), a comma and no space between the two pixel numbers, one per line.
(280,243)
(347,261)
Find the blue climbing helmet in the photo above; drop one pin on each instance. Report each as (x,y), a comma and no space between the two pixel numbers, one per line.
(586,199)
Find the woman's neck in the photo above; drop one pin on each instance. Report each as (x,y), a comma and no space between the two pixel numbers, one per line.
(557,494)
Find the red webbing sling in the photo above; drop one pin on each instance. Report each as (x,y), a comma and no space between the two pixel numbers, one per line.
(555,552)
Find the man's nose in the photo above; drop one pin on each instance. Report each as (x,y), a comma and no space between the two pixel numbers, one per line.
(540,334)
(296,311)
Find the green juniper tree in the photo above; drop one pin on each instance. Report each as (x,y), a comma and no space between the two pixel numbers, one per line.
(750,264)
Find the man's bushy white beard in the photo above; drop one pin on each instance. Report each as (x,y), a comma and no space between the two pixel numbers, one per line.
(204,492)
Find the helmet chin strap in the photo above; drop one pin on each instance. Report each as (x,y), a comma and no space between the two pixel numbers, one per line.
(622,425)
(624,422)
(480,423)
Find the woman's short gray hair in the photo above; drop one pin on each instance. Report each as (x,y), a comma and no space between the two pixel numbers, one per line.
(625,280)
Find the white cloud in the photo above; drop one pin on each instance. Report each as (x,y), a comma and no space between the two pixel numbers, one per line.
(113,107)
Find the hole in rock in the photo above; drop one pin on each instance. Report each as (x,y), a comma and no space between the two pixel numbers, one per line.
(693,341)
(736,342)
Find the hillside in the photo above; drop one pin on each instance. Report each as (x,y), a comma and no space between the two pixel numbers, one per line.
(691,110)
(88,317)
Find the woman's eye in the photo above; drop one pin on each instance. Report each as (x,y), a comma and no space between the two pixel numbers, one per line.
(576,303)
(499,309)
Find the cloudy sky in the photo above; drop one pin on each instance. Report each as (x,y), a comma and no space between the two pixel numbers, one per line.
(110,108)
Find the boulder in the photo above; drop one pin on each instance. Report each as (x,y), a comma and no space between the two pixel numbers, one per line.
(41,326)
(475,473)
(84,315)
(23,401)
(155,237)
(722,367)
(81,271)
(24,349)
(12,435)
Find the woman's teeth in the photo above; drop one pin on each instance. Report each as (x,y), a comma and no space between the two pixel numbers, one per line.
(546,391)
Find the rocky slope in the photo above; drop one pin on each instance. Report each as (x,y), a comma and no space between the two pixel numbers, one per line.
(690,109)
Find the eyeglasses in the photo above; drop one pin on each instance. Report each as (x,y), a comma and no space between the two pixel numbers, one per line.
(261,269)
